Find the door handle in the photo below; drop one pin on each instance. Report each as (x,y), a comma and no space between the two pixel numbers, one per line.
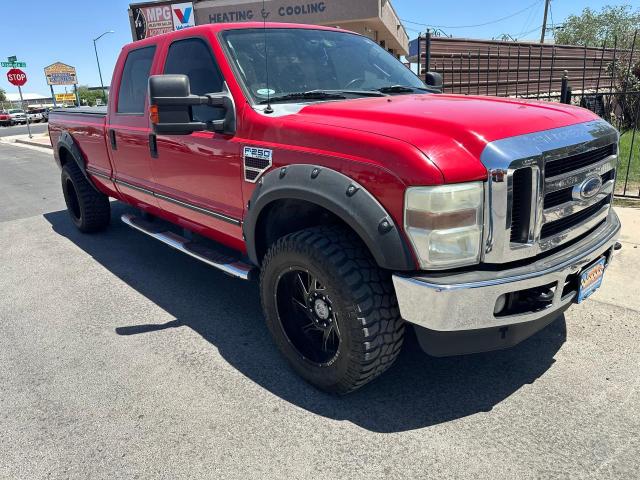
(153,145)
(112,138)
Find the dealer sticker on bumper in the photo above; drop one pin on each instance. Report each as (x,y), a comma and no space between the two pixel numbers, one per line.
(591,279)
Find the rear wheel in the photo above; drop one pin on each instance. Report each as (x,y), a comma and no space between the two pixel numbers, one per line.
(331,310)
(89,209)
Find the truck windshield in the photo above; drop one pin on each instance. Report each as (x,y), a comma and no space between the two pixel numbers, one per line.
(315,65)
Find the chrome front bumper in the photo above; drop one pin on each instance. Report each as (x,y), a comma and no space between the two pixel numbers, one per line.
(465,301)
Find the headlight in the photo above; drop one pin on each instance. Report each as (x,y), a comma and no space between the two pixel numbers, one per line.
(444,224)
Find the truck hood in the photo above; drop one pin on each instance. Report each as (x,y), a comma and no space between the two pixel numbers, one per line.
(451,130)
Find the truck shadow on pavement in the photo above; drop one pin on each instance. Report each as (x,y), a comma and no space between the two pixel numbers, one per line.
(417,392)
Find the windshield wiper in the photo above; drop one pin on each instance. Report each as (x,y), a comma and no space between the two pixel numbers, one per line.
(402,89)
(310,95)
(325,95)
(359,93)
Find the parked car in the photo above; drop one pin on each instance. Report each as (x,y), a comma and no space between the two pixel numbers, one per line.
(5,119)
(45,114)
(17,115)
(35,116)
(362,200)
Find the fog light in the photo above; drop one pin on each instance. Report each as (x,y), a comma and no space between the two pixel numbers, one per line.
(500,303)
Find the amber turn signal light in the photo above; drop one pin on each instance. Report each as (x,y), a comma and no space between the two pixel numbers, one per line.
(153,114)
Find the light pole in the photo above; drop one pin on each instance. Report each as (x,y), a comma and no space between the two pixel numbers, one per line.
(104,96)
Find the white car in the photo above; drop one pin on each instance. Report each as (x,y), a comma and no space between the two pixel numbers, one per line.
(17,115)
(34,117)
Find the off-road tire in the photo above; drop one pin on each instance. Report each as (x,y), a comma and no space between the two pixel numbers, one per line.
(363,297)
(88,208)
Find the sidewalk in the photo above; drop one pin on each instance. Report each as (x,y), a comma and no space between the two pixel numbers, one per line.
(38,140)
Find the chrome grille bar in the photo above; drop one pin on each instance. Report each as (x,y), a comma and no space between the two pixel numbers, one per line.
(578,176)
(575,232)
(569,208)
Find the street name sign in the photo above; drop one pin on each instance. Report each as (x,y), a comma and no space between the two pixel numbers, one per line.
(13,64)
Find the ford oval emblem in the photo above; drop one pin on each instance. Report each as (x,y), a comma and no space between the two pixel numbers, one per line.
(588,189)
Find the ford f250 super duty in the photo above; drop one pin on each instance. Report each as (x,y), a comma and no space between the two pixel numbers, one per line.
(313,160)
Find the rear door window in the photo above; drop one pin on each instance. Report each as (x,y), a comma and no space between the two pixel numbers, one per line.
(135,77)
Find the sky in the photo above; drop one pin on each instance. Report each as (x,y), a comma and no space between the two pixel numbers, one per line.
(42,32)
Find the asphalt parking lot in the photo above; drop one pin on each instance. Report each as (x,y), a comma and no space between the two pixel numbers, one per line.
(121,358)
(36,128)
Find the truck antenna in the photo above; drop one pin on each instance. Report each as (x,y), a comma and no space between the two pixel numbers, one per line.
(266,57)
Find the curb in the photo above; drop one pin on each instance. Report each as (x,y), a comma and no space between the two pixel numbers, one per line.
(34,144)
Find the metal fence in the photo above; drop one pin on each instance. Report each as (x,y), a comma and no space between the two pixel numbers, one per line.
(605,80)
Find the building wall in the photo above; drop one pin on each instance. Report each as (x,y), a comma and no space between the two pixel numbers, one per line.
(394,27)
(319,12)
(374,18)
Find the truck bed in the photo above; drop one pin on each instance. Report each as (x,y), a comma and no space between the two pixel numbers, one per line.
(100,111)
(87,128)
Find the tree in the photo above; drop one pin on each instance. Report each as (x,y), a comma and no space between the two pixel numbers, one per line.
(592,28)
(88,97)
(3,95)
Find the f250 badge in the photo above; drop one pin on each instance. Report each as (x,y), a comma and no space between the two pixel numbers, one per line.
(256,161)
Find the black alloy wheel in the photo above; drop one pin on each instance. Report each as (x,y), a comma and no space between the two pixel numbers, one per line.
(307,316)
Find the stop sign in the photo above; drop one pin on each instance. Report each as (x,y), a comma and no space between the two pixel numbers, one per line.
(16,77)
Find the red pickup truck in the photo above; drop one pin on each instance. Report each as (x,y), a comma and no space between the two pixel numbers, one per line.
(361,198)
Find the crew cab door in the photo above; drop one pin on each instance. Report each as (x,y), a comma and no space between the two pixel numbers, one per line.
(198,176)
(128,128)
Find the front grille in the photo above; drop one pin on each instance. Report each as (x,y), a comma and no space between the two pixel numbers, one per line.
(553,228)
(541,194)
(580,160)
(561,212)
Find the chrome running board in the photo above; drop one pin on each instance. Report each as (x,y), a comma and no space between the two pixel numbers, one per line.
(227,264)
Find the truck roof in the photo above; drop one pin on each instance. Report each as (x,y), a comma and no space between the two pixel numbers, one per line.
(219,27)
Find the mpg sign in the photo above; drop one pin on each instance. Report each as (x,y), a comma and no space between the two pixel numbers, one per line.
(16,77)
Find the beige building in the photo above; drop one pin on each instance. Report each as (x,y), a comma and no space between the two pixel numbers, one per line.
(375,19)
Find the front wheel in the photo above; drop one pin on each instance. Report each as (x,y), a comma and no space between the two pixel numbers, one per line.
(331,310)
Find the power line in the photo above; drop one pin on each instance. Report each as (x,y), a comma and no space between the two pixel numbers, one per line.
(519,35)
(479,24)
(413,29)
(530,19)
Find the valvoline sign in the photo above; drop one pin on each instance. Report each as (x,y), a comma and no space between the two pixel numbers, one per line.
(183,16)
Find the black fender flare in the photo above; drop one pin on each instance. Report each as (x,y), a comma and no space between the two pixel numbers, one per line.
(338,194)
(67,142)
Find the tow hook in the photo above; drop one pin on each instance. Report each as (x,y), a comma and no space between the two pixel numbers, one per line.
(542,295)
(616,248)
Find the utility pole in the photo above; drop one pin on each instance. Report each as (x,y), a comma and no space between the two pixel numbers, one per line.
(544,20)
